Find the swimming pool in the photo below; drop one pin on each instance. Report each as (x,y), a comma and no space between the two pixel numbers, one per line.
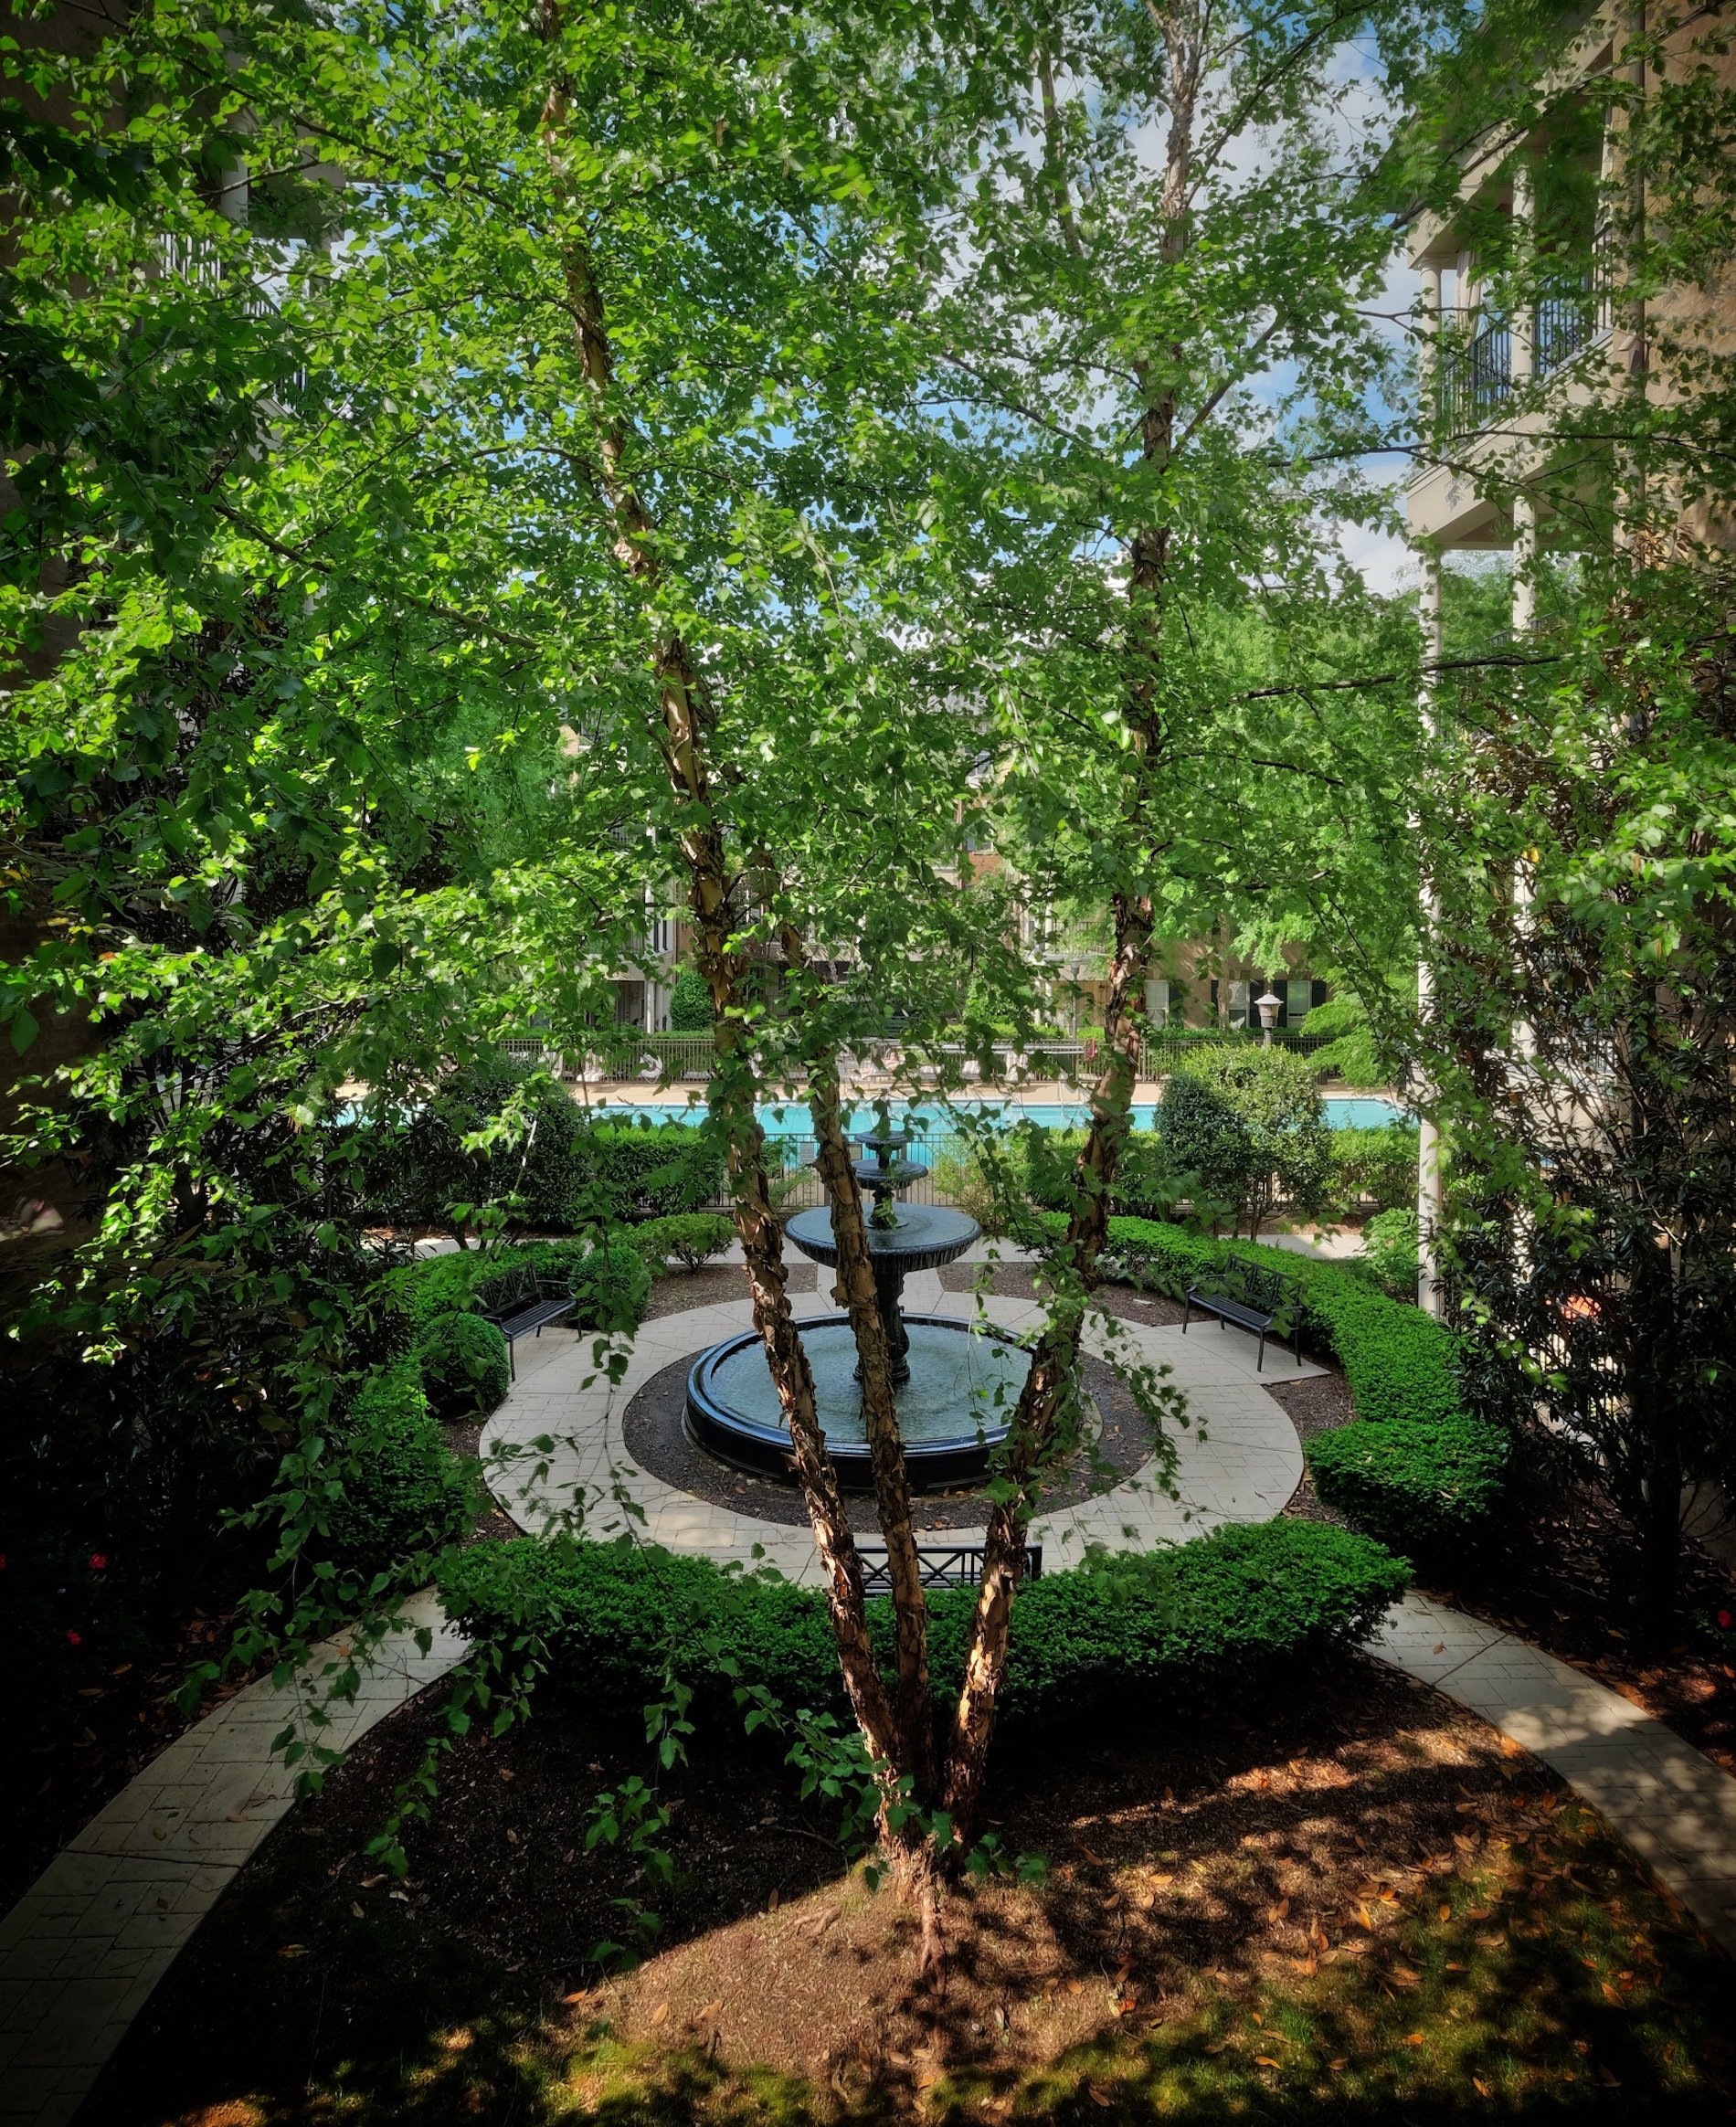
(792,1118)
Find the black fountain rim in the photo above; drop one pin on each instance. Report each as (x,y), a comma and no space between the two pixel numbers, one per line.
(934,1466)
(811,1231)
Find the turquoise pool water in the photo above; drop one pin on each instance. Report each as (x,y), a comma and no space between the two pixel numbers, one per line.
(791,1118)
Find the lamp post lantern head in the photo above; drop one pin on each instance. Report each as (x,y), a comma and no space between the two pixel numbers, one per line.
(1268,1007)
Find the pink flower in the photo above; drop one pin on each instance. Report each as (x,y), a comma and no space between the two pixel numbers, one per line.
(99,1562)
(1723,1621)
(75,1639)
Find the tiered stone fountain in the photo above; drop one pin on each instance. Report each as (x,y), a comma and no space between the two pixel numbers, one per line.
(956,1382)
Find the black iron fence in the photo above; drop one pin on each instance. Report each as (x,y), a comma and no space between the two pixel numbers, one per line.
(622,1056)
(1474,355)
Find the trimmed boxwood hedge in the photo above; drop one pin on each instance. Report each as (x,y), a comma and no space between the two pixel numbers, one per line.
(1415,1467)
(404,1491)
(466,1366)
(693,1238)
(624,1171)
(609,1281)
(1219,1612)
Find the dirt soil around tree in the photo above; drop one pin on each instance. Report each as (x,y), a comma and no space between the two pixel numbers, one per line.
(1352,1902)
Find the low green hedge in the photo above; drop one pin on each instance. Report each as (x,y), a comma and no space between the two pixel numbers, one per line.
(625,1172)
(403,1490)
(1222,1613)
(1415,1468)
(691,1238)
(609,1281)
(466,1366)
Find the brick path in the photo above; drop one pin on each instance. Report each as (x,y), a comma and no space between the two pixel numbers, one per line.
(84,1947)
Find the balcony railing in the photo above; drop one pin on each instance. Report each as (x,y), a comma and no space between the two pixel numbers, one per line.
(1473,362)
(1474,374)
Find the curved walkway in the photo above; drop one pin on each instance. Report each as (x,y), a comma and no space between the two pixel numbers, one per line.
(84,1946)
(555,1456)
(82,1951)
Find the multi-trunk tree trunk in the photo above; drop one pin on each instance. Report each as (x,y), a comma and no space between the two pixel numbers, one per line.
(899,1732)
(1037,1428)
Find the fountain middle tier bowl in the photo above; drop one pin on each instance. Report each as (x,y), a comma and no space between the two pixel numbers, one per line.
(953,1412)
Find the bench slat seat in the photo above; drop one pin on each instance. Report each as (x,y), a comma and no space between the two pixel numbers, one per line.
(530,1320)
(1257,1321)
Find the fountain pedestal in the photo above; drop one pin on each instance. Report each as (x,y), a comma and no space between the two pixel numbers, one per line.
(956,1382)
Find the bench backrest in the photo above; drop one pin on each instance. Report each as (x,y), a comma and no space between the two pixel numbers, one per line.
(1267,1292)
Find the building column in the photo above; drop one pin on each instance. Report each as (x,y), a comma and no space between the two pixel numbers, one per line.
(1428,1141)
(1429,347)
(1523,358)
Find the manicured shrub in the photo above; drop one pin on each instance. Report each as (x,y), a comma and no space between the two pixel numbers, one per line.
(415,1167)
(1390,1253)
(610,1282)
(1377,1166)
(689,1238)
(1208,1140)
(403,1490)
(625,1172)
(439,1285)
(690,1005)
(1217,1615)
(1426,1486)
(1145,1182)
(465,1364)
(1248,1122)
(1402,1367)
(611,1285)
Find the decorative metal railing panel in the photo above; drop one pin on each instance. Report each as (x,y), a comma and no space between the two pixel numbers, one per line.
(956,1565)
(1474,374)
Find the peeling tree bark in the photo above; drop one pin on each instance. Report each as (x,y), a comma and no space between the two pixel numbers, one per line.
(682,736)
(1035,1427)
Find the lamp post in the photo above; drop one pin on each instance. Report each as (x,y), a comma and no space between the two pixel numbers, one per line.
(1268,1007)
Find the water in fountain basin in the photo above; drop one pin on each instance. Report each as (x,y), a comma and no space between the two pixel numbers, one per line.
(952,1390)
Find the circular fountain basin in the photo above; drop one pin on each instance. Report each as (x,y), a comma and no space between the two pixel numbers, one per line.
(953,1412)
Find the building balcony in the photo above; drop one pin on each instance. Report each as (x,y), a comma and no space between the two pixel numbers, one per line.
(1475,374)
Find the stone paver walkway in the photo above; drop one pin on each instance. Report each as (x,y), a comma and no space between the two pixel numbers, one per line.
(82,1951)
(1672,1804)
(555,1454)
(84,1946)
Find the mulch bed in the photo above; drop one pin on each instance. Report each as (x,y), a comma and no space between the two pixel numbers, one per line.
(1302,1845)
(1014,1281)
(654,1432)
(717,1282)
(1315,1405)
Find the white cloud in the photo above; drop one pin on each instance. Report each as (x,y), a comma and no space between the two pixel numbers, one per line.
(1383,560)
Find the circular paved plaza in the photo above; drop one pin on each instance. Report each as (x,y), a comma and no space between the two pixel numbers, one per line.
(556,1451)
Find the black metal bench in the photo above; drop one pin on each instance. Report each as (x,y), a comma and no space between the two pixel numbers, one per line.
(1256,1308)
(952,1565)
(533,1318)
